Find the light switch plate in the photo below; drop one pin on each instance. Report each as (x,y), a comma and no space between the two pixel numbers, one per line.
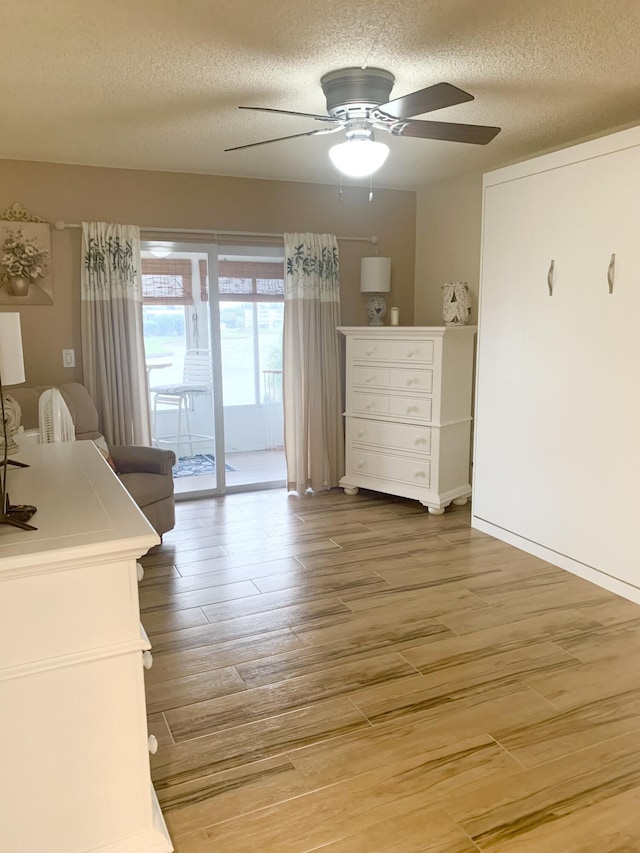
(68,358)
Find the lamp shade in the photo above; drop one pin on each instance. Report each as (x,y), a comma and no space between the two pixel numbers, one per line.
(11,361)
(375,275)
(358,157)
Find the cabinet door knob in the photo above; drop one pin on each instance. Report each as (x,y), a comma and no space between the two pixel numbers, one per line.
(152,743)
(147,660)
(139,571)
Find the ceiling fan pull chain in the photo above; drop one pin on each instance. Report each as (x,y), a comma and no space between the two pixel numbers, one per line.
(340,188)
(370,189)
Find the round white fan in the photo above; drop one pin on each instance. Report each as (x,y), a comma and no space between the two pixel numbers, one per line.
(56,423)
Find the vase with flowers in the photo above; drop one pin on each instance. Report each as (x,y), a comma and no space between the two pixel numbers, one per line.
(24,260)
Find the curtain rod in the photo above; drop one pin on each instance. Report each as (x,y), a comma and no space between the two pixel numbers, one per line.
(60,225)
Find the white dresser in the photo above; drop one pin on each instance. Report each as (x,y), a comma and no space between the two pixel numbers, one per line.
(74,746)
(408,412)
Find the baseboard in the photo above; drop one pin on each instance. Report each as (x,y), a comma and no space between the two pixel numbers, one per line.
(583,570)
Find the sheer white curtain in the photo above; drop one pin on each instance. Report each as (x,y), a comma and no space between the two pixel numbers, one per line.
(112,335)
(312,376)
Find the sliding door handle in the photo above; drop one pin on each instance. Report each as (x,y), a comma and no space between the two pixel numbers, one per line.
(550,277)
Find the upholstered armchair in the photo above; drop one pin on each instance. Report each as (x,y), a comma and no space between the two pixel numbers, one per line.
(145,472)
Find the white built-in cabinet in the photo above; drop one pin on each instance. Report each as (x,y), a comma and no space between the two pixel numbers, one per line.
(74,745)
(557,462)
(408,412)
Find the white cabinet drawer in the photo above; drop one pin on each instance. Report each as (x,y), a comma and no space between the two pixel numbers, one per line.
(388,467)
(407,408)
(410,408)
(412,351)
(400,379)
(370,404)
(404,437)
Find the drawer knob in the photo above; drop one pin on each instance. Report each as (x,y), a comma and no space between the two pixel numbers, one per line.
(360,463)
(139,571)
(370,404)
(411,381)
(369,379)
(411,353)
(370,351)
(420,440)
(147,660)
(152,743)
(419,474)
(361,432)
(411,409)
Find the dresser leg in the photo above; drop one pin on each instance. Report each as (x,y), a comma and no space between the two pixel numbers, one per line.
(459,501)
(434,510)
(351,490)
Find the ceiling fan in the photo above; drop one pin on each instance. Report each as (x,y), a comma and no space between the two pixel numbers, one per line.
(358,103)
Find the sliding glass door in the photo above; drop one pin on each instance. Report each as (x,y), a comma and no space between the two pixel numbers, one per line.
(213,342)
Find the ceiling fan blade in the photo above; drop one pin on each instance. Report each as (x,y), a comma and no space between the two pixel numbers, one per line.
(477,134)
(289,113)
(280,139)
(425,101)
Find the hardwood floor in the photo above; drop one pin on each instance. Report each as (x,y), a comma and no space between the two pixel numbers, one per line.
(352,675)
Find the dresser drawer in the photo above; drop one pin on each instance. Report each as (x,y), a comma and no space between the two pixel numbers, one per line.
(412,351)
(400,379)
(406,408)
(370,404)
(388,467)
(410,408)
(404,437)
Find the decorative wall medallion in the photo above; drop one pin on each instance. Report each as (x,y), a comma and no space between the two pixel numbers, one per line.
(17,213)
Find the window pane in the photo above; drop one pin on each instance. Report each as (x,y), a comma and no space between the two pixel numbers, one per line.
(271,286)
(238,358)
(166,281)
(270,319)
(164,342)
(235,285)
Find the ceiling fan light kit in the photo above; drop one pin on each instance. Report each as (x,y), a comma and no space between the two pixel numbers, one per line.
(358,158)
(358,103)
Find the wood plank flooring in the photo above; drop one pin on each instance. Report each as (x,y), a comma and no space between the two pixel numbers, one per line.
(352,675)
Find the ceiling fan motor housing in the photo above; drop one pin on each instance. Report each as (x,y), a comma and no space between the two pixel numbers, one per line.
(351,89)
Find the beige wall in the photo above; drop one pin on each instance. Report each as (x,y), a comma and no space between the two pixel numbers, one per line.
(169,200)
(448,229)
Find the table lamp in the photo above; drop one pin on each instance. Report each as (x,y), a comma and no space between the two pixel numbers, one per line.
(375,277)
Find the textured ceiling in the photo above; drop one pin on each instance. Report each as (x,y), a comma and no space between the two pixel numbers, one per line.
(155,84)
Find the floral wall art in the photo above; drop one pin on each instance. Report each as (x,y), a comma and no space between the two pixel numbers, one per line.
(25,259)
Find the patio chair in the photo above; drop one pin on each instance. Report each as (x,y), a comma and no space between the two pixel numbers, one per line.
(196,382)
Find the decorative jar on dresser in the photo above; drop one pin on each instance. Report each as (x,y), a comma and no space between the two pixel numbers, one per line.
(408,412)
